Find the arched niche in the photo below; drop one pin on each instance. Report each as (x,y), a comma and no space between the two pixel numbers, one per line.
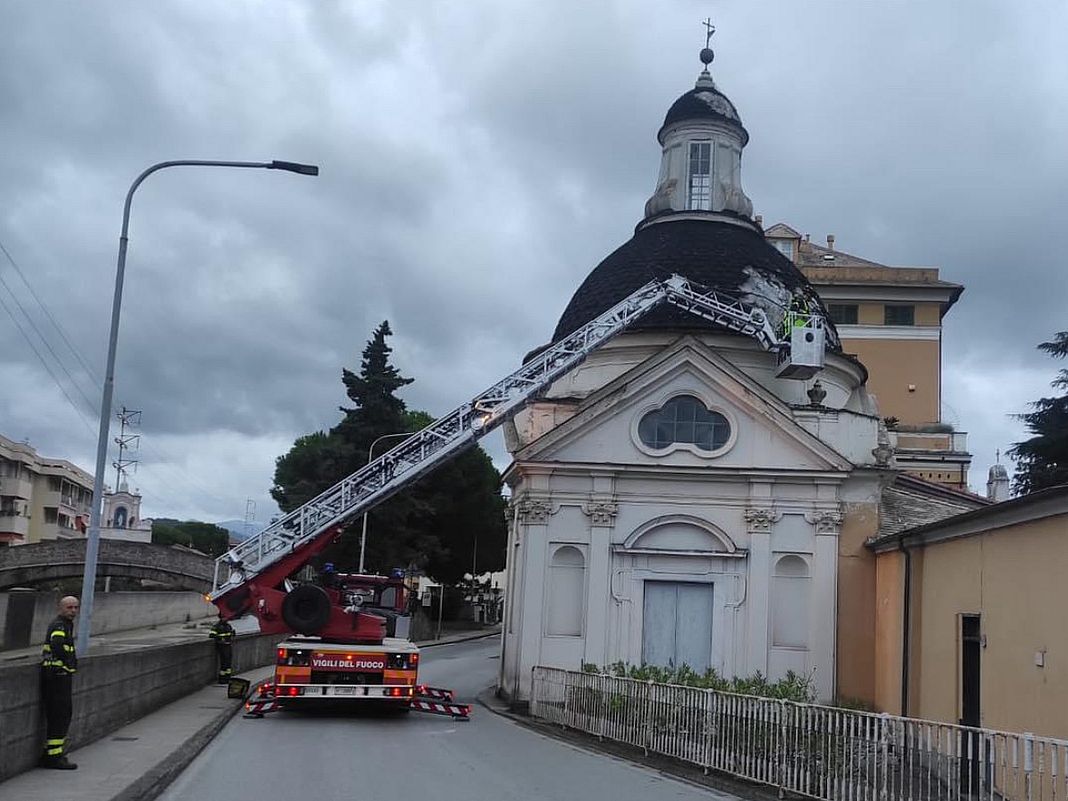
(679,533)
(566,591)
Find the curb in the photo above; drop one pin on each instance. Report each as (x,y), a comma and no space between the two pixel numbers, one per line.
(157,778)
(481,635)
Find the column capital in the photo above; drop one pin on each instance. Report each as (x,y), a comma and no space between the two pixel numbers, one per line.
(601,512)
(761,519)
(534,510)
(826,521)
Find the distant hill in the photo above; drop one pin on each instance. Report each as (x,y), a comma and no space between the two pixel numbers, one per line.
(238,530)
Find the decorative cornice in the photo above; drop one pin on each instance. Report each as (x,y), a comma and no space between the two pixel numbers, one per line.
(761,519)
(534,510)
(826,521)
(601,513)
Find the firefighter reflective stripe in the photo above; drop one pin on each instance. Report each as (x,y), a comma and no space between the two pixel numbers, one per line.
(58,653)
(54,747)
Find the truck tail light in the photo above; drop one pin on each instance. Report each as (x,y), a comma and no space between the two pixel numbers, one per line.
(413,659)
(281,656)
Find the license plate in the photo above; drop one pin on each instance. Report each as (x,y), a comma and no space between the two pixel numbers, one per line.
(348,690)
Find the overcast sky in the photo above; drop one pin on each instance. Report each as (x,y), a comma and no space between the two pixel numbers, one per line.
(478,159)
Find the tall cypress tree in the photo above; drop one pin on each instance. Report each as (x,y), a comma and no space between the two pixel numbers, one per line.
(434,523)
(1042,460)
(378,410)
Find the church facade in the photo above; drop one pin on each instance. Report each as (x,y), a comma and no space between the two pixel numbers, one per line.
(673,501)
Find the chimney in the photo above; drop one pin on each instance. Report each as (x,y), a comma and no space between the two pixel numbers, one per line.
(760,220)
(807,236)
(830,241)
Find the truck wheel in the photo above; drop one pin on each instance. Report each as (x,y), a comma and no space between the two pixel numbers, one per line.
(306,609)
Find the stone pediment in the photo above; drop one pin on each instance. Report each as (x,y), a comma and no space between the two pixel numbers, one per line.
(762,432)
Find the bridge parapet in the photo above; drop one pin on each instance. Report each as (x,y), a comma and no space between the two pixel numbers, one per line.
(27,565)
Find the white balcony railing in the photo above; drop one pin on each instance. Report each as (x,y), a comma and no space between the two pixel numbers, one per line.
(815,751)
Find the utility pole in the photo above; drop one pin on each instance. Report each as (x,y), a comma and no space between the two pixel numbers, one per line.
(250,516)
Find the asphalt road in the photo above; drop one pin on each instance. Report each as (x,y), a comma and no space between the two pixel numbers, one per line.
(291,755)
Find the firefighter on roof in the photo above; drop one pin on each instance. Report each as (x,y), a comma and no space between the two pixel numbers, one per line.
(223,635)
(58,665)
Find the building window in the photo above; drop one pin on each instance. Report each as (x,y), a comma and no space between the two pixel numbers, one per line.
(54,484)
(785,247)
(684,420)
(900,315)
(567,584)
(700,176)
(843,313)
(51,514)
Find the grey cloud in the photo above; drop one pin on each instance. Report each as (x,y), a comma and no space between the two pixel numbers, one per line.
(478,160)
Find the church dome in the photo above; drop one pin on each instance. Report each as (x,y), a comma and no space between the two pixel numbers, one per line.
(998,473)
(730,256)
(698,224)
(703,102)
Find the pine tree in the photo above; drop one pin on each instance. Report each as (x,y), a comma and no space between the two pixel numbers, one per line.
(1042,460)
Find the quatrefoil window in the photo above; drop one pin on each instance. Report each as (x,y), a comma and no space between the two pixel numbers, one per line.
(684,420)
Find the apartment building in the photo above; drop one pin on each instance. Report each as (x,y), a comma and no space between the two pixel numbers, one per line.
(40,498)
(891,319)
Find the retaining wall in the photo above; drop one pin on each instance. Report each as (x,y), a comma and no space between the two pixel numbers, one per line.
(111,690)
(25,614)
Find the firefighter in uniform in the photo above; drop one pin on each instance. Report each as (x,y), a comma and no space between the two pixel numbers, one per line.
(223,635)
(58,665)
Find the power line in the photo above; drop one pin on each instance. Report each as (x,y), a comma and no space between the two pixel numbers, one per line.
(41,358)
(58,327)
(47,344)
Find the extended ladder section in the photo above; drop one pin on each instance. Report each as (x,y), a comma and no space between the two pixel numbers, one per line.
(459,429)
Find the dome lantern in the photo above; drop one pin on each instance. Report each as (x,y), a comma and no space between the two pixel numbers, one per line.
(702,140)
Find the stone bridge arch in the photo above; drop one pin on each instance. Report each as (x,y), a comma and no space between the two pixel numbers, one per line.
(26,565)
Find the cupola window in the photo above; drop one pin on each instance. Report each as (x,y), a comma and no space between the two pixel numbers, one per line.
(685,420)
(700,190)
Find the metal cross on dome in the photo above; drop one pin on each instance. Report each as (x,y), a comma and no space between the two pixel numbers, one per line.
(709,30)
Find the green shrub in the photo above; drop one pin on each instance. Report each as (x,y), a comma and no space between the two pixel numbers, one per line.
(792,687)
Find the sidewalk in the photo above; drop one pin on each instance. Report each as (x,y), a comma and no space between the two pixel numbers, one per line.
(139,760)
(734,787)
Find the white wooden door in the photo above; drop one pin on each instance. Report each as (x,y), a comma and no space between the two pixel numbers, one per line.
(677,624)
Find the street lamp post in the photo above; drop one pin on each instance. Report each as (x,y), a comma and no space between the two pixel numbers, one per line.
(92,547)
(370,457)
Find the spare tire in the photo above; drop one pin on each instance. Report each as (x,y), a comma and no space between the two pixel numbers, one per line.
(306,609)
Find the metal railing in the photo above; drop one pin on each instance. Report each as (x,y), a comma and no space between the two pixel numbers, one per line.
(810,750)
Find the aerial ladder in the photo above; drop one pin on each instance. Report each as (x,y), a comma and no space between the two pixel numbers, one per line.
(254,576)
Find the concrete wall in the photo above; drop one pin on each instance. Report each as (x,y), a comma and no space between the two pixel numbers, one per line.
(111,690)
(1014,579)
(112,611)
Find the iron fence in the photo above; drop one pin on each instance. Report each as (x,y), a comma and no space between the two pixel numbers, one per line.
(810,750)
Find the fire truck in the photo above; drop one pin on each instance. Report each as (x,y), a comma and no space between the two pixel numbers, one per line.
(341,646)
(309,669)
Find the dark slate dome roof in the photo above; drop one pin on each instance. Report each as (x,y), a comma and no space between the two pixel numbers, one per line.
(702,103)
(718,254)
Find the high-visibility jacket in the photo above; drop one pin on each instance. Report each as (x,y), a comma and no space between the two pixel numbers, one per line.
(57,656)
(222,632)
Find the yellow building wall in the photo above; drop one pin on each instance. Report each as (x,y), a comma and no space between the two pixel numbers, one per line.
(1016,579)
(893,365)
(856,604)
(889,630)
